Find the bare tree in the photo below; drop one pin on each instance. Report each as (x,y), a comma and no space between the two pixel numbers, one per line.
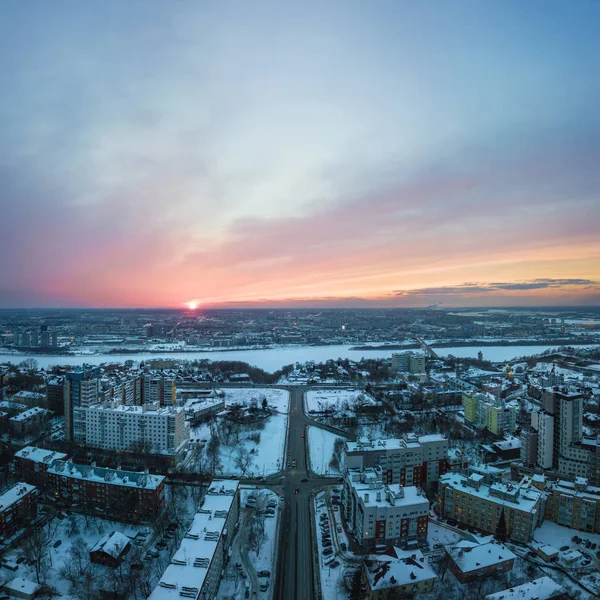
(35,548)
(243,460)
(77,562)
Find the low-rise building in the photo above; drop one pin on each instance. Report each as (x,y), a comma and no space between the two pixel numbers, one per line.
(472,560)
(18,508)
(31,399)
(467,500)
(197,565)
(383,514)
(125,495)
(543,588)
(110,549)
(407,572)
(30,421)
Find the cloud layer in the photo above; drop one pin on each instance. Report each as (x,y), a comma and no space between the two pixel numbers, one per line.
(271,155)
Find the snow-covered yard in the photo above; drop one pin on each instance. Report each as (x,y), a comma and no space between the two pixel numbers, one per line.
(254,448)
(335,399)
(320,451)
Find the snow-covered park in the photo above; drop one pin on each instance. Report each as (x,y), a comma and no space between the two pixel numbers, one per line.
(336,400)
(247,447)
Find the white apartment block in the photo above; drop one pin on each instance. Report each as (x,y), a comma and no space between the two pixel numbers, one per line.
(409,460)
(148,428)
(383,514)
(158,389)
(544,423)
(196,569)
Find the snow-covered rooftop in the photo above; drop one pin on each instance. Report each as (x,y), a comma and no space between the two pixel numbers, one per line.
(113,544)
(479,556)
(21,587)
(408,441)
(100,474)
(28,414)
(191,562)
(39,454)
(14,494)
(409,567)
(522,496)
(543,588)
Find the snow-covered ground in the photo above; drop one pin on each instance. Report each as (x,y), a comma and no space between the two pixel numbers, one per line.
(442,534)
(559,536)
(336,399)
(320,451)
(266,455)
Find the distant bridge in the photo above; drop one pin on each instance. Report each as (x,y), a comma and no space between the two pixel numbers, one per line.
(427,349)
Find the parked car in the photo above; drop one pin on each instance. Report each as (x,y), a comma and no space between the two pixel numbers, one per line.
(57,543)
(327,552)
(564,548)
(343,547)
(334,564)
(264,574)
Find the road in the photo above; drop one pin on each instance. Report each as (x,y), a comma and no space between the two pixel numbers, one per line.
(295,577)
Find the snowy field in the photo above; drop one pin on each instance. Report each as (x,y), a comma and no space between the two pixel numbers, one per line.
(337,399)
(320,451)
(263,457)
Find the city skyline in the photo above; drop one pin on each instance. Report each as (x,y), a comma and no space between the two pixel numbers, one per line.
(340,154)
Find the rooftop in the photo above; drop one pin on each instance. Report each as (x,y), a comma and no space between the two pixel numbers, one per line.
(100,474)
(408,567)
(36,410)
(543,588)
(40,454)
(113,544)
(186,574)
(14,494)
(479,556)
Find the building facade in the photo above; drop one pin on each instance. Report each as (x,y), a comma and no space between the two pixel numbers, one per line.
(383,514)
(409,460)
(81,389)
(18,509)
(468,500)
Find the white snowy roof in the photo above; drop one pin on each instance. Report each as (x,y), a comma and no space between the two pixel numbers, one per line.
(112,476)
(191,562)
(412,441)
(22,586)
(14,494)
(543,588)
(387,572)
(39,454)
(113,544)
(479,556)
(28,414)
(526,498)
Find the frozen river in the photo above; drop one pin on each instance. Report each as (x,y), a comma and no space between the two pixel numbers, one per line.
(275,358)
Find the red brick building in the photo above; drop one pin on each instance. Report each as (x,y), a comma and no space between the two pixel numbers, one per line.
(18,508)
(122,495)
(31,465)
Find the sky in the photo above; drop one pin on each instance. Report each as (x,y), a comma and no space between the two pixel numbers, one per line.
(315,153)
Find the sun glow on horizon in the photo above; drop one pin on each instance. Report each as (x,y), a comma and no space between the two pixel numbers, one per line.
(192,305)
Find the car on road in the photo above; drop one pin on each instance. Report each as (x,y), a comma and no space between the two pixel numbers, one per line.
(564,548)
(334,564)
(303,480)
(57,543)
(343,547)
(302,434)
(264,574)
(261,478)
(297,491)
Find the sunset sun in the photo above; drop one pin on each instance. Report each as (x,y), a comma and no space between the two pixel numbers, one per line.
(192,305)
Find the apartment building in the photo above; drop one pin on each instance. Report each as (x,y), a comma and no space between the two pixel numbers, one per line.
(125,495)
(31,399)
(378,513)
(156,388)
(196,567)
(124,389)
(543,588)
(18,509)
(55,392)
(574,504)
(409,460)
(148,428)
(28,422)
(468,500)
(81,389)
(409,362)
(31,465)
(485,411)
